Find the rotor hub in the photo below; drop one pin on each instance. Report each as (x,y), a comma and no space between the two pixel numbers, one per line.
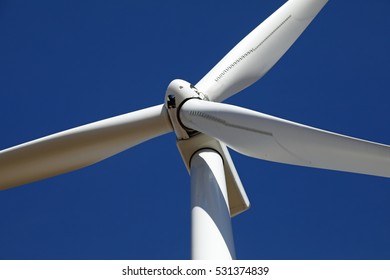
(178,92)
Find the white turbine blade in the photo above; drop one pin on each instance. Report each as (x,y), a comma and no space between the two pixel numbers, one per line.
(251,58)
(79,147)
(266,137)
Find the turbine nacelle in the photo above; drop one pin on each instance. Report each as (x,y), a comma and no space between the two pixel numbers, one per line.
(191,141)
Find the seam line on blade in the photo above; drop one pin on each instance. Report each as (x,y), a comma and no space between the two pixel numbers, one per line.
(223,122)
(242,57)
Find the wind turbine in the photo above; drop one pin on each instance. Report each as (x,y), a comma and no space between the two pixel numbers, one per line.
(189,110)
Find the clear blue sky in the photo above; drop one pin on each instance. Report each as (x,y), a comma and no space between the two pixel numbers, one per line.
(67,63)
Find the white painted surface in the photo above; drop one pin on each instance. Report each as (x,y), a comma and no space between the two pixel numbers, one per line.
(266,137)
(79,147)
(254,55)
(212,237)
